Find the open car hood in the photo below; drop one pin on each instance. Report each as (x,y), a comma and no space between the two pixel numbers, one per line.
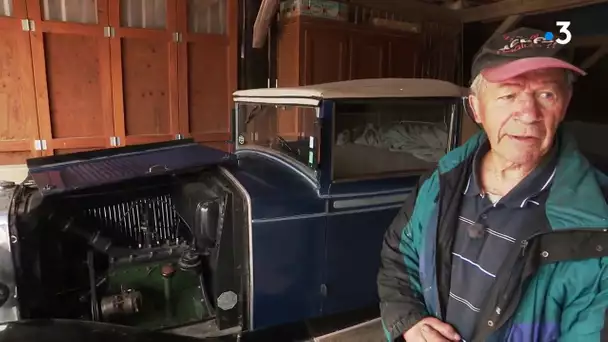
(84,170)
(68,330)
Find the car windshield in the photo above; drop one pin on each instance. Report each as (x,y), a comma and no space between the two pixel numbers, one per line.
(290,130)
(379,138)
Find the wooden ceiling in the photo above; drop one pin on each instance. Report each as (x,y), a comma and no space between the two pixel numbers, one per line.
(447,11)
(474,10)
(459,4)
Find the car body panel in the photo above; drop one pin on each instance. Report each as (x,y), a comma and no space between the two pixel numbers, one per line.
(354,238)
(287,239)
(275,189)
(83,170)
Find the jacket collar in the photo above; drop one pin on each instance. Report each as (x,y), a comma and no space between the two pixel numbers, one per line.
(575,200)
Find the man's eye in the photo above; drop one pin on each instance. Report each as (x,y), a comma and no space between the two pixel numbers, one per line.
(507,97)
(547,95)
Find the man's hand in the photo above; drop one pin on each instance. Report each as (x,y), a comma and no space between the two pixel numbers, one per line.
(431,329)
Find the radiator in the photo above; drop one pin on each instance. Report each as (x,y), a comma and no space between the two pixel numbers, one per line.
(142,223)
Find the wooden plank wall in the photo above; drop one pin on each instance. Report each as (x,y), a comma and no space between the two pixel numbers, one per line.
(77,73)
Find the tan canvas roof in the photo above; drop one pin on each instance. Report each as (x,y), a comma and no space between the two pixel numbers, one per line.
(362,88)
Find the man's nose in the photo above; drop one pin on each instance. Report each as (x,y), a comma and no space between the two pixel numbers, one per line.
(528,109)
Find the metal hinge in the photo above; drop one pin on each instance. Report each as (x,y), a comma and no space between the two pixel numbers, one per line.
(179,136)
(115,141)
(108,31)
(28,25)
(177,37)
(40,145)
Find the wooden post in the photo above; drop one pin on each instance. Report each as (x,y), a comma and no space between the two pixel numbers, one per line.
(267,12)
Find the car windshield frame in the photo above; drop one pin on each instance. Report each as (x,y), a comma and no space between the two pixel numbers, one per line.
(244,114)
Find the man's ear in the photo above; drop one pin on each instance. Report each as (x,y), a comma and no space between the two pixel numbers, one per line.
(474,107)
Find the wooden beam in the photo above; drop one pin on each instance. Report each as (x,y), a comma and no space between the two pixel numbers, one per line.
(505,8)
(506,25)
(588,41)
(596,56)
(268,10)
(411,10)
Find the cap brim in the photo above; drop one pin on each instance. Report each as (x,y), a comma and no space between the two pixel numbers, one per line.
(515,68)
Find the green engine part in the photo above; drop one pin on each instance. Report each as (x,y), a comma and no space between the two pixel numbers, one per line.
(169,296)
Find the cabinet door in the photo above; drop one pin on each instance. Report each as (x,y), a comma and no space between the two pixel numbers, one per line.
(367,56)
(18,119)
(207,69)
(144,70)
(71,60)
(325,52)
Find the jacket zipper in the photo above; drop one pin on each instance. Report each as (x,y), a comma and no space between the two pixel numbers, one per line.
(523,246)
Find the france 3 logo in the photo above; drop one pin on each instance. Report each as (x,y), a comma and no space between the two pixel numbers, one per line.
(563,29)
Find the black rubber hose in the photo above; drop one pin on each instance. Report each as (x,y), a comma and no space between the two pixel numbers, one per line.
(95,240)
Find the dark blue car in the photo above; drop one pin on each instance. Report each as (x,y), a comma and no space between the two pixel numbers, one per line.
(281,236)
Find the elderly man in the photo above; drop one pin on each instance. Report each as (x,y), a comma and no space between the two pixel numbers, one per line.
(507,239)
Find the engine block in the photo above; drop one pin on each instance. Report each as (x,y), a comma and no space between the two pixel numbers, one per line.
(140,236)
(140,261)
(142,223)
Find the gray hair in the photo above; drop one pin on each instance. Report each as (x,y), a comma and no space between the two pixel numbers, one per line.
(480,82)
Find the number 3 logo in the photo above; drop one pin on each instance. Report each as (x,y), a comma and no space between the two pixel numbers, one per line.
(563,25)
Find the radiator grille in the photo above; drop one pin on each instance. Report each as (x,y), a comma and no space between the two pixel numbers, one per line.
(142,223)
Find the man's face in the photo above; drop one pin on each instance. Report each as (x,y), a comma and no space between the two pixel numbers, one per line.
(521,115)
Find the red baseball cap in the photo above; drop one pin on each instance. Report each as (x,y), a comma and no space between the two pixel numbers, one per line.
(517,52)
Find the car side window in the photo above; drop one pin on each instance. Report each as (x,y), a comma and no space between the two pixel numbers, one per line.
(379,138)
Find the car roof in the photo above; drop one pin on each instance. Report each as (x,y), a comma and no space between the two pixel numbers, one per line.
(359,88)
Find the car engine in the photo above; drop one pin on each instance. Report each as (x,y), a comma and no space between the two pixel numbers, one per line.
(154,252)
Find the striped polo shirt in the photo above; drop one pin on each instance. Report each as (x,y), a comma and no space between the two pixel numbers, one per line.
(487,233)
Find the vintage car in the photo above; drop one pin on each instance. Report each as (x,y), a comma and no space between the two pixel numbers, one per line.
(188,240)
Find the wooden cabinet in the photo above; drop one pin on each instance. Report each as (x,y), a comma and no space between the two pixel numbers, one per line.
(18,118)
(71,63)
(368,56)
(79,75)
(207,69)
(312,51)
(326,56)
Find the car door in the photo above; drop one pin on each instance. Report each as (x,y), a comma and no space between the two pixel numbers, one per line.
(356,222)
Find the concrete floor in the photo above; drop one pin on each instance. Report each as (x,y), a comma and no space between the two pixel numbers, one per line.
(370,331)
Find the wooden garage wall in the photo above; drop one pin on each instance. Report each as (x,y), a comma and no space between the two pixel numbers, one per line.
(87,74)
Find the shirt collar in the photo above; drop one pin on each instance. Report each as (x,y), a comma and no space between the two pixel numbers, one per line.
(536,182)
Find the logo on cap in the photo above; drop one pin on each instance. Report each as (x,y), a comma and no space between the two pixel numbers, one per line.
(521,42)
